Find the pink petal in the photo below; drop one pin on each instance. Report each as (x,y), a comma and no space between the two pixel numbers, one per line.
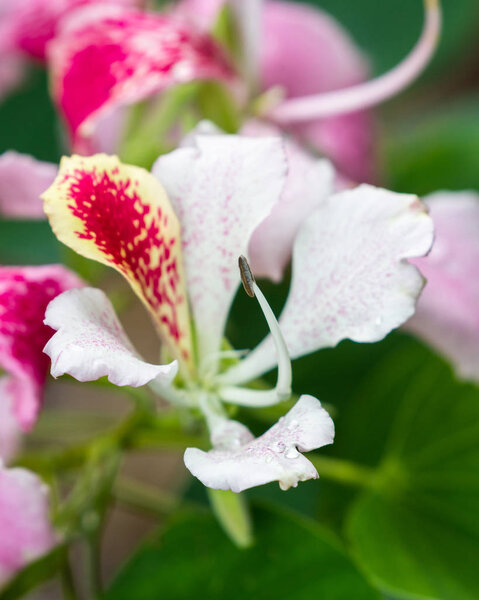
(10,432)
(91,343)
(24,520)
(447,315)
(242,462)
(22,180)
(123,57)
(310,181)
(305,51)
(24,295)
(33,23)
(221,190)
(351,277)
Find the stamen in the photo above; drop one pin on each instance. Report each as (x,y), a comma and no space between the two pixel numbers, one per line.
(372,92)
(282,390)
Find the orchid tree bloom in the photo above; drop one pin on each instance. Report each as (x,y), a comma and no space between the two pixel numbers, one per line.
(25,293)
(304,52)
(24,520)
(22,181)
(176,236)
(26,28)
(107,58)
(447,316)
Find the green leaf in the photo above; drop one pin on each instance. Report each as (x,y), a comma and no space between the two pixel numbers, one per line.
(416,532)
(292,558)
(35,573)
(232,512)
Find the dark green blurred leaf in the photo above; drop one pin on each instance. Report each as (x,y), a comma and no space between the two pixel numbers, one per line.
(418,532)
(292,558)
(440,151)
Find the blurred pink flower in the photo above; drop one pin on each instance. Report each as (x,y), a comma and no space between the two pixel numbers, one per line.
(22,180)
(106,58)
(24,295)
(26,531)
(447,315)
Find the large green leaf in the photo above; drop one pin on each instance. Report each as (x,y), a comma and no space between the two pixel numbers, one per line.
(292,558)
(417,531)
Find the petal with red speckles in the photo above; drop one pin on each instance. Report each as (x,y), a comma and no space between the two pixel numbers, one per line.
(120,215)
(24,295)
(22,181)
(350,274)
(24,520)
(122,57)
(221,188)
(239,461)
(447,315)
(90,342)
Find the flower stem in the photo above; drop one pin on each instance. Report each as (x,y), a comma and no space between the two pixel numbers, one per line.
(344,471)
(68,583)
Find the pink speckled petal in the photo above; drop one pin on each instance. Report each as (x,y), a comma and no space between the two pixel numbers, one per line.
(239,461)
(24,520)
(90,342)
(221,189)
(24,295)
(309,182)
(447,315)
(22,180)
(351,277)
(10,432)
(122,57)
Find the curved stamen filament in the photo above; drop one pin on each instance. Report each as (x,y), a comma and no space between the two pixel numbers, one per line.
(372,92)
(282,390)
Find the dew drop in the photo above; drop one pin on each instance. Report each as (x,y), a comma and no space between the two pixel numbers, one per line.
(268,459)
(291,453)
(293,424)
(378,320)
(278,447)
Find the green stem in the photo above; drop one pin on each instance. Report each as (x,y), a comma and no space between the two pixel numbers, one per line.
(94,564)
(68,583)
(146,498)
(344,471)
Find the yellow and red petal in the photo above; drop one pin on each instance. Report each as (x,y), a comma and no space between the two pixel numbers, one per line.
(120,215)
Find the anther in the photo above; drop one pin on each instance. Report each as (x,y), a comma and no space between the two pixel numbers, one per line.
(247,277)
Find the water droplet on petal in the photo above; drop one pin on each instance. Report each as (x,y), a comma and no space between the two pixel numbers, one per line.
(292,424)
(268,459)
(378,320)
(291,453)
(278,447)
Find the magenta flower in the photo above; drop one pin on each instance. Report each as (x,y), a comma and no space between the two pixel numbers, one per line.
(25,293)
(107,58)
(26,27)
(24,520)
(176,237)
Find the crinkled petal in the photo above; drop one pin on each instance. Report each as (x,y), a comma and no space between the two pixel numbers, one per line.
(24,295)
(351,277)
(221,190)
(447,314)
(309,182)
(119,215)
(24,520)
(91,343)
(242,462)
(123,57)
(22,181)
(10,432)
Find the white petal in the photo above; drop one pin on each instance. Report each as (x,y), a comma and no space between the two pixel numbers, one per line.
(221,190)
(351,278)
(91,343)
(274,456)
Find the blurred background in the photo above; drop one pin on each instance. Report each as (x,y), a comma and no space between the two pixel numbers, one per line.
(385,398)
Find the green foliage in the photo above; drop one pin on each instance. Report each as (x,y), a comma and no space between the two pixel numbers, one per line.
(292,558)
(416,531)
